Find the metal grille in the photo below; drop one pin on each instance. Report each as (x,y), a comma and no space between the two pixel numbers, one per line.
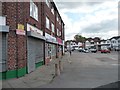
(3,52)
(35,52)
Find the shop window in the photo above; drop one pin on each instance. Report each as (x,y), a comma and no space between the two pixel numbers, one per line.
(33,10)
(47,23)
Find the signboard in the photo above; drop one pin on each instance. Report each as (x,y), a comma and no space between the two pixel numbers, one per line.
(21,26)
(59,41)
(34,29)
(20,32)
(50,38)
(20,29)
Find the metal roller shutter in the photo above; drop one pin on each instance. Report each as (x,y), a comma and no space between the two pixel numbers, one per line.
(35,53)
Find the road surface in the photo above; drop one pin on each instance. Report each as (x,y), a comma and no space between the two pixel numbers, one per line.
(87,70)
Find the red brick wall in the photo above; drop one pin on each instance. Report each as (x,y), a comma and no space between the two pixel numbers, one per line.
(12,51)
(19,13)
(16,57)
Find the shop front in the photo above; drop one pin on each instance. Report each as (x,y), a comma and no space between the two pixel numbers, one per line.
(3,47)
(50,48)
(35,48)
(59,47)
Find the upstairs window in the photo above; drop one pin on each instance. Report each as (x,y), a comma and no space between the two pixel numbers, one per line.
(59,21)
(58,32)
(118,41)
(52,10)
(47,2)
(47,23)
(53,27)
(33,10)
(57,18)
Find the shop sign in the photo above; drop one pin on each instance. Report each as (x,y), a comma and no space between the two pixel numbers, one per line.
(34,29)
(59,41)
(20,26)
(20,29)
(20,32)
(50,38)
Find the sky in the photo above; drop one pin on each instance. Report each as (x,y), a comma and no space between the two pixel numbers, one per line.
(89,18)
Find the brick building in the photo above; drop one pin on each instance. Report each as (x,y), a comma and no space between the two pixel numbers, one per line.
(31,35)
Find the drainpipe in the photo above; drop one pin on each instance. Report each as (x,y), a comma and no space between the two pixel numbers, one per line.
(16,40)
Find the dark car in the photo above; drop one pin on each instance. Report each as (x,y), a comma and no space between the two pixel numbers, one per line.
(93,50)
(80,49)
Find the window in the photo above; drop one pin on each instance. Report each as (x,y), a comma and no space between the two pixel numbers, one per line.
(53,28)
(57,18)
(33,10)
(58,32)
(59,21)
(118,41)
(52,10)
(47,23)
(47,2)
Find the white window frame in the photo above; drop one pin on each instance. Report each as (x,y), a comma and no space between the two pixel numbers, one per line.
(57,18)
(52,10)
(47,23)
(53,27)
(47,2)
(59,21)
(57,32)
(33,10)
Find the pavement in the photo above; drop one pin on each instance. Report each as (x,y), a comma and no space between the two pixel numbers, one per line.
(80,70)
(41,76)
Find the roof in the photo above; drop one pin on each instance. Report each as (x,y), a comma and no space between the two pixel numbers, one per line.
(116,37)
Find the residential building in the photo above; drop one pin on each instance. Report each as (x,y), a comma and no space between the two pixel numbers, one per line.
(92,43)
(115,42)
(30,36)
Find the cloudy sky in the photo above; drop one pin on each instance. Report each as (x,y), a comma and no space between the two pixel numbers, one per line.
(89,18)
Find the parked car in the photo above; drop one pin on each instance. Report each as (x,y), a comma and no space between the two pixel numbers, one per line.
(93,50)
(105,50)
(80,49)
(85,50)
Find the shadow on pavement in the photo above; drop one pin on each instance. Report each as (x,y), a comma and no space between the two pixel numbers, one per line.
(110,86)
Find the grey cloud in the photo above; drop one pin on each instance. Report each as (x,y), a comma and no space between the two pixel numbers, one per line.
(71,5)
(104,26)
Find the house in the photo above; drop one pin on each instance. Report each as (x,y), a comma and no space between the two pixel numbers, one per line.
(92,43)
(115,42)
(73,45)
(32,35)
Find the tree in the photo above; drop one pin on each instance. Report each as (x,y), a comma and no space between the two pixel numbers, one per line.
(79,38)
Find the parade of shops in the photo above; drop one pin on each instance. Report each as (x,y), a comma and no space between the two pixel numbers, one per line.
(31,35)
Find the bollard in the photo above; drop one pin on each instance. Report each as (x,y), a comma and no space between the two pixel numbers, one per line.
(60,66)
(57,70)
